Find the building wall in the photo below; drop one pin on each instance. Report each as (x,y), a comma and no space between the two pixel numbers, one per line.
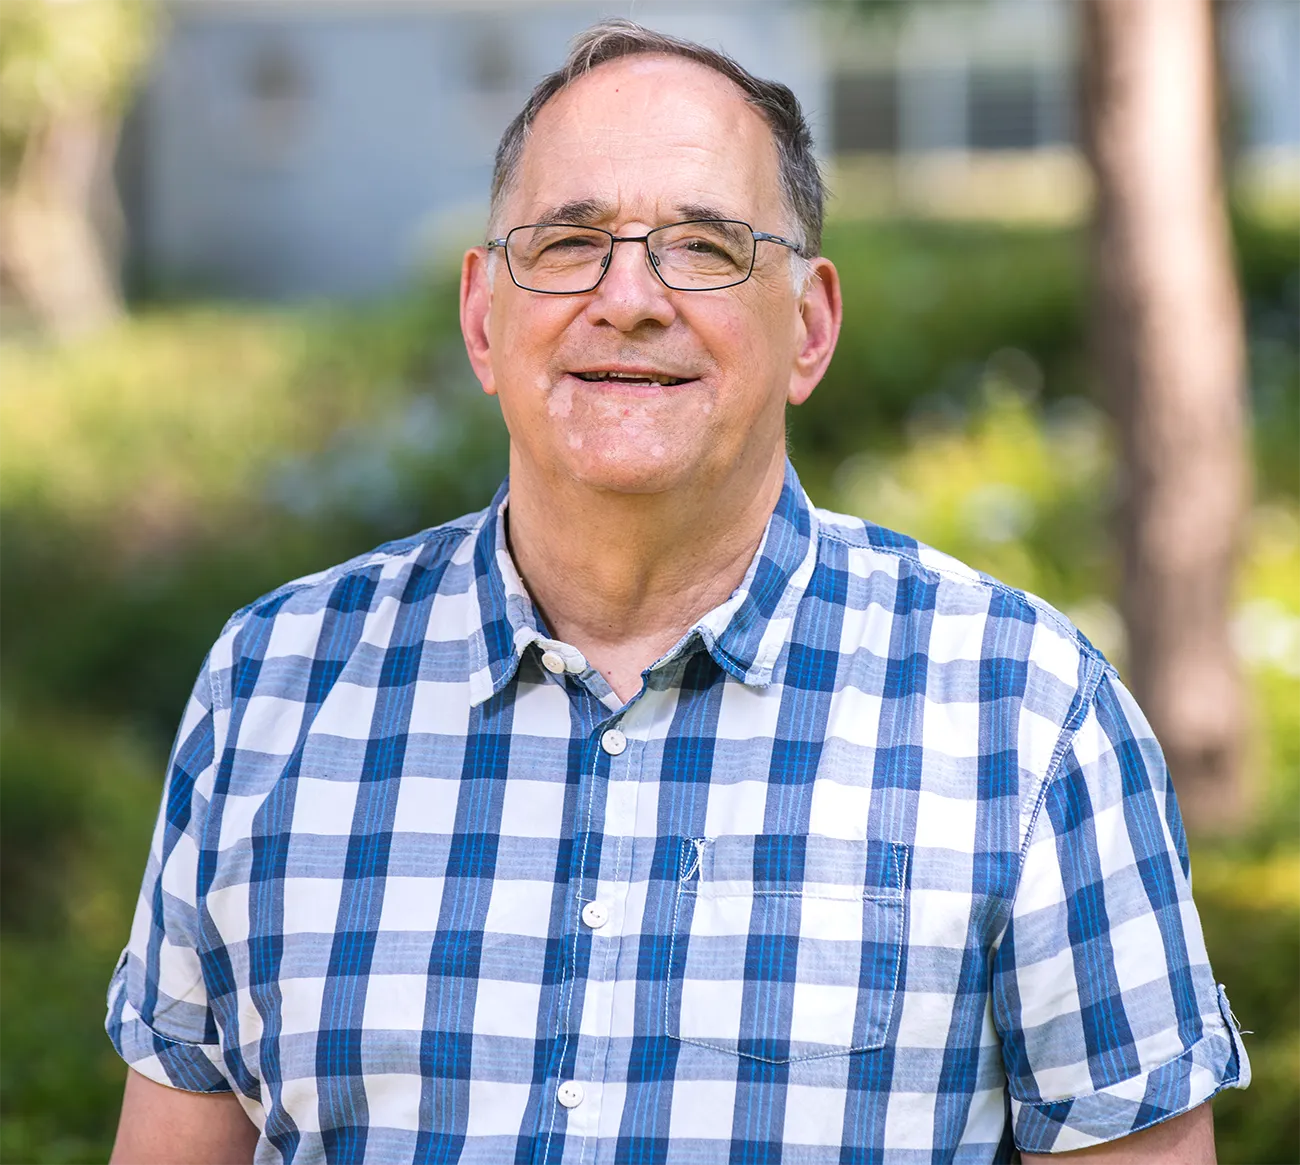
(1000,75)
(1263,57)
(970,110)
(294,149)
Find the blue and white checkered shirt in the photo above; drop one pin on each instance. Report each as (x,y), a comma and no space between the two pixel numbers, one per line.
(881,864)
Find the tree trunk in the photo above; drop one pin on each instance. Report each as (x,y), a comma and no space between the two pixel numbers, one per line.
(58,221)
(1170,353)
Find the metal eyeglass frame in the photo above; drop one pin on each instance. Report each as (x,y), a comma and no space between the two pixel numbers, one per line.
(759,237)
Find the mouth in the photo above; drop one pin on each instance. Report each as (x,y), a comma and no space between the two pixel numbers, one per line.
(632,379)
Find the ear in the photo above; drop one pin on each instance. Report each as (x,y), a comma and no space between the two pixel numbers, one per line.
(476,315)
(820,314)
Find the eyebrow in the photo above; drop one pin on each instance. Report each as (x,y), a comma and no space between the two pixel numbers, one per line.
(590,211)
(582,211)
(691,211)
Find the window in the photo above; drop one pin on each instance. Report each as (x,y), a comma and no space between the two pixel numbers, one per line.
(276,93)
(1002,110)
(865,111)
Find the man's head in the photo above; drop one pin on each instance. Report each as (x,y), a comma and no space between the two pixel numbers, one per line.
(635,132)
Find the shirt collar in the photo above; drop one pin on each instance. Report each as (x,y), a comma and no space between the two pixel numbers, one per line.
(744,635)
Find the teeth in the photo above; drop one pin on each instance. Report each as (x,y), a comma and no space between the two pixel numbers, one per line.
(627,378)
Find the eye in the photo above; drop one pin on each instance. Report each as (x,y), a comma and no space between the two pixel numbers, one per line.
(571,243)
(698,246)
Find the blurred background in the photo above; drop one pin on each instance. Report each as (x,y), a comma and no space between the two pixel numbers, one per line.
(1069,234)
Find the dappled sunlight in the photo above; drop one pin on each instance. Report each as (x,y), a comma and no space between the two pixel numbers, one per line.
(991,490)
(181,414)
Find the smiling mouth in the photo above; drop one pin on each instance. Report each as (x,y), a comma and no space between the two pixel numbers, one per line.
(643,379)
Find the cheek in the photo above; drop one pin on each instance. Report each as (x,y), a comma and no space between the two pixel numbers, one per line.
(755,353)
(732,333)
(525,331)
(754,337)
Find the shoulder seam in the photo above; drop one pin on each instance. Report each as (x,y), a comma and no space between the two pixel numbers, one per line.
(376,557)
(1048,614)
(216,696)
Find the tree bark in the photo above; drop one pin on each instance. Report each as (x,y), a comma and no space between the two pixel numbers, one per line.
(1170,353)
(58,222)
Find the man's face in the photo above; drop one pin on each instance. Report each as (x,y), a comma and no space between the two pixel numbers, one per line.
(633,145)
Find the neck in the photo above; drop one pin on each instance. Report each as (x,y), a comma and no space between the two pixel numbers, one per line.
(623,576)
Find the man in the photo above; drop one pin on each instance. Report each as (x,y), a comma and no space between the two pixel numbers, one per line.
(652,814)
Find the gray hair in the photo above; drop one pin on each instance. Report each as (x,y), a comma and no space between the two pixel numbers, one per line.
(801,180)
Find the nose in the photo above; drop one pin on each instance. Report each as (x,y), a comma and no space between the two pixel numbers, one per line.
(630,293)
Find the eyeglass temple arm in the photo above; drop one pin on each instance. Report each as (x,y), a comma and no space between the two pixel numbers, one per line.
(764,237)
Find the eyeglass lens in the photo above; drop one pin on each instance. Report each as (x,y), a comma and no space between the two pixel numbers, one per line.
(694,256)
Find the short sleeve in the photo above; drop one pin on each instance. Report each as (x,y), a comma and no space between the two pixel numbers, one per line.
(158,1014)
(1108,1012)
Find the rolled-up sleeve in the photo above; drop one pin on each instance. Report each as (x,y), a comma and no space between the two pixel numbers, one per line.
(158,1014)
(1110,1017)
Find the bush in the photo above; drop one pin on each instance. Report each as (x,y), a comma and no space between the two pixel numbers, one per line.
(77,806)
(167,472)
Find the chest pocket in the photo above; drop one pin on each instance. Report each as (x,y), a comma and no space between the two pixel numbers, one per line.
(786,948)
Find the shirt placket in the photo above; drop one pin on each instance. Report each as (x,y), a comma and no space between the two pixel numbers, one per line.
(581,1109)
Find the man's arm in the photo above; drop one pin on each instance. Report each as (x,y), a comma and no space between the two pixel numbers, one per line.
(1183,1140)
(165,1126)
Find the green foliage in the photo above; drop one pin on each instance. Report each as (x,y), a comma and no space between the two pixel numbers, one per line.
(1250,910)
(77,804)
(1270,274)
(170,469)
(928,304)
(164,473)
(1023,495)
(65,56)
(61,58)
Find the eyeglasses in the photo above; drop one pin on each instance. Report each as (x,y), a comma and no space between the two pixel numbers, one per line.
(557,258)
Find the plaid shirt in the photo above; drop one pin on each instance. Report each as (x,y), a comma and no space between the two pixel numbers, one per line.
(881,864)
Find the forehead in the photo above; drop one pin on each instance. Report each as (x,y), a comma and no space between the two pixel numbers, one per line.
(646,137)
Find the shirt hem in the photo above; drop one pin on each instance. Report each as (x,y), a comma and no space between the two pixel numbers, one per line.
(188,1067)
(1215,1062)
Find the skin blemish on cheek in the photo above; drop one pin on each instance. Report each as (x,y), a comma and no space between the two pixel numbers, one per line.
(706,407)
(656,450)
(575,440)
(561,402)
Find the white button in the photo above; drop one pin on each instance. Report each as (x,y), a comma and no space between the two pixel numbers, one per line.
(553,662)
(569,1094)
(613,742)
(595,915)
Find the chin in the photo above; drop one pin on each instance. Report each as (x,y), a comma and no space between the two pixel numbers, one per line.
(631,471)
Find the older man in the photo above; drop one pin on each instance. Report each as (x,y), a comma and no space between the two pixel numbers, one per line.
(652,814)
